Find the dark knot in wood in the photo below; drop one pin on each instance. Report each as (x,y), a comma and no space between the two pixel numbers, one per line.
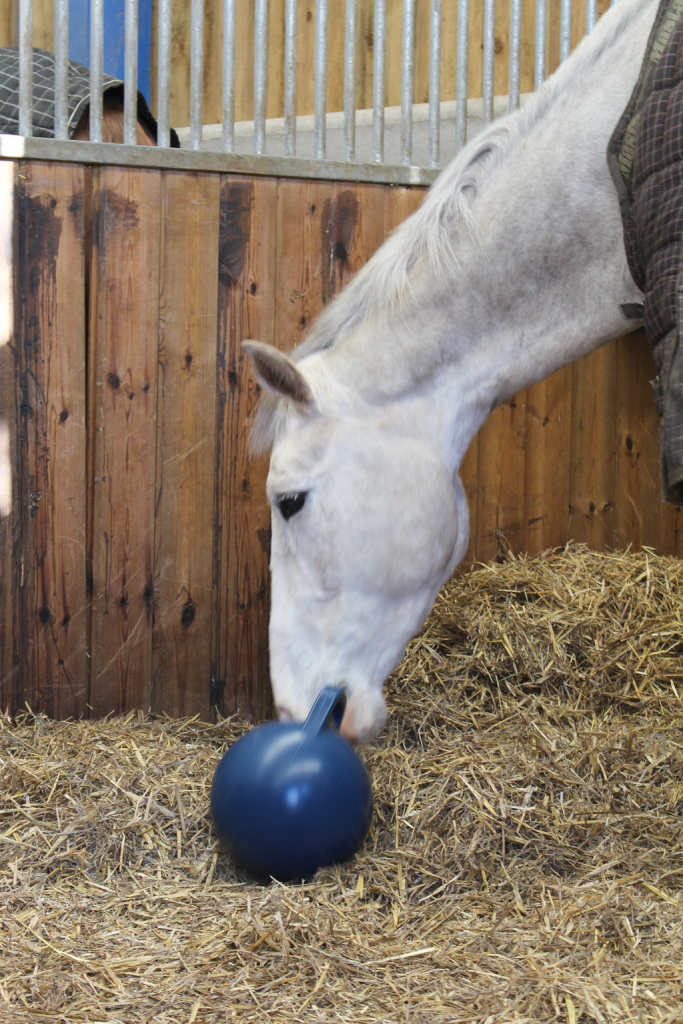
(188,615)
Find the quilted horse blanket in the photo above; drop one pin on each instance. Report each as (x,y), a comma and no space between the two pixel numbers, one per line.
(44,95)
(646,159)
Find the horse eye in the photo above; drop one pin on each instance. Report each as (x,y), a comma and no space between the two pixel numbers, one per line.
(290,504)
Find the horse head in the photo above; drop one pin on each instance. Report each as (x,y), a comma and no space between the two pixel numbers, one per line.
(368,521)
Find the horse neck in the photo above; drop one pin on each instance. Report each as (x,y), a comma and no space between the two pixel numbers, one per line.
(541,280)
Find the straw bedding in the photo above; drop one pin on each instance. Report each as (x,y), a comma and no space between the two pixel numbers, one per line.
(525,861)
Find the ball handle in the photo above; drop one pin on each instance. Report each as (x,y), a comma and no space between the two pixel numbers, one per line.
(327,712)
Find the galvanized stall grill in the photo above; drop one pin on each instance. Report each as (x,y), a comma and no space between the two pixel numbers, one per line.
(350,168)
(134,532)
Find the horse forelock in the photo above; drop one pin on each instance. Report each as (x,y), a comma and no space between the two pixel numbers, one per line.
(427,239)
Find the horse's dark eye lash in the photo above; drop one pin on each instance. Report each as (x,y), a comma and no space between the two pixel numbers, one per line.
(289,504)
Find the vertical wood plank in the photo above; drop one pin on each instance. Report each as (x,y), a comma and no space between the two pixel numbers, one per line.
(186,445)
(52,315)
(669,529)
(364,52)
(352,229)
(44,24)
(9,17)
(546,471)
(124,328)
(11,684)
(500,468)
(305,48)
(246,309)
(637,493)
(469,474)
(358,229)
(302,287)
(592,461)
(400,203)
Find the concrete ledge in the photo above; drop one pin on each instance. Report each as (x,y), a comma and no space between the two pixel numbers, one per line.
(275,128)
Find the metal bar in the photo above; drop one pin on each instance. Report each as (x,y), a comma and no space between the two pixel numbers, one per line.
(407,75)
(565,29)
(350,81)
(13,147)
(379,43)
(591,15)
(26,68)
(61,69)
(434,83)
(290,77)
(260,69)
(196,72)
(96,61)
(539,63)
(487,67)
(515,44)
(130,75)
(461,74)
(164,75)
(320,104)
(228,139)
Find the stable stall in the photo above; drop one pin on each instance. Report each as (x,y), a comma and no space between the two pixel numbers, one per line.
(134,530)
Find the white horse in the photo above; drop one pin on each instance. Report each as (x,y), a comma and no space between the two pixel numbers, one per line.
(513,267)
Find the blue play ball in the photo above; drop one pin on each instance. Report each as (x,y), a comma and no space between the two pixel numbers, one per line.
(288,798)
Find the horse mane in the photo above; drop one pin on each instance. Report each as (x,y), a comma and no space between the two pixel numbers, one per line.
(425,239)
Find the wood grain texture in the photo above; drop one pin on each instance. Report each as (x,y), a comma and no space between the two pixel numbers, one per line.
(500,472)
(637,497)
(9,22)
(592,460)
(124,329)
(53,437)
(184,267)
(246,309)
(186,445)
(546,470)
(669,530)
(43,24)
(11,678)
(302,283)
(400,203)
(469,475)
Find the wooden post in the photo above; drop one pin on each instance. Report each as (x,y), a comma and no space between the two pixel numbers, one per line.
(637,492)
(246,309)
(546,466)
(592,460)
(53,437)
(124,328)
(301,205)
(11,683)
(501,479)
(186,445)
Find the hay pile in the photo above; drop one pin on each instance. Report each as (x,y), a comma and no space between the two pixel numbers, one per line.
(525,862)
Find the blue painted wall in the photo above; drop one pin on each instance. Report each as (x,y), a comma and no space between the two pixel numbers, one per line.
(79,38)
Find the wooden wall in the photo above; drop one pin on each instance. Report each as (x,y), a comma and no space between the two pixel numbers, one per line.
(244,88)
(134,531)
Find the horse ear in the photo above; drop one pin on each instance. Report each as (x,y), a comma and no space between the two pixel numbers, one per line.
(278,374)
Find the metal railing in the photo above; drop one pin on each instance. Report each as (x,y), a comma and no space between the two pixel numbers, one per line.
(375,169)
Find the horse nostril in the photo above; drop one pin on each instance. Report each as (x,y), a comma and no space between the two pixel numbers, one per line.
(284,714)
